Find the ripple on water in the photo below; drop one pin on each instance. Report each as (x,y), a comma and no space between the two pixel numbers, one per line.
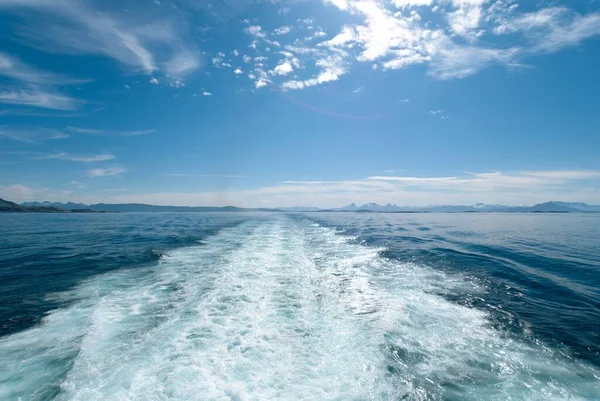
(281,309)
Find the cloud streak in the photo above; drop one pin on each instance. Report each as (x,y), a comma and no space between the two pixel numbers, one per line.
(30,86)
(39,98)
(32,135)
(107,172)
(509,188)
(13,68)
(203,175)
(137,39)
(81,158)
(93,131)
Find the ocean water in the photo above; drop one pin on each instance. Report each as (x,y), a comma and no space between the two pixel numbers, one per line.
(323,306)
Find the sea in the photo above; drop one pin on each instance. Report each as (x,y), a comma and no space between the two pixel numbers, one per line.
(304,306)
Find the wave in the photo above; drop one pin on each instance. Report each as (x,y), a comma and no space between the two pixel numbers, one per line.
(281,308)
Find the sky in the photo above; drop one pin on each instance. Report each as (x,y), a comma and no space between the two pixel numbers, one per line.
(300,102)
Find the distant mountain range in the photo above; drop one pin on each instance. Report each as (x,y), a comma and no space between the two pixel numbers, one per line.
(140,207)
(547,207)
(70,207)
(12,207)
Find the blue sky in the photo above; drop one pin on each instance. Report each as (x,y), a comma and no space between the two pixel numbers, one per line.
(303,102)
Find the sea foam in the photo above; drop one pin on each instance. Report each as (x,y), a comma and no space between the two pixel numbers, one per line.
(280,309)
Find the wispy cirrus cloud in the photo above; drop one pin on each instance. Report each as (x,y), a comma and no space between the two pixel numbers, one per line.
(80,158)
(525,180)
(143,40)
(552,29)
(107,172)
(30,86)
(23,112)
(203,175)
(13,68)
(32,135)
(564,174)
(93,131)
(41,98)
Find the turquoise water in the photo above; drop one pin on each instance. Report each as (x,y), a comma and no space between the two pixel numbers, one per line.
(287,307)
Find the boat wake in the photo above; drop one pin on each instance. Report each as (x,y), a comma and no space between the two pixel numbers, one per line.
(280,309)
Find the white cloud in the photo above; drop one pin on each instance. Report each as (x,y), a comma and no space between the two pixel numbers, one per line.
(564,174)
(495,187)
(25,137)
(153,81)
(284,30)
(39,98)
(332,68)
(133,133)
(341,4)
(13,68)
(454,61)
(397,38)
(17,193)
(81,158)
(539,19)
(134,37)
(347,34)
(456,42)
(409,3)
(203,175)
(319,33)
(416,180)
(260,83)
(92,131)
(54,134)
(384,33)
(435,112)
(181,65)
(552,29)
(206,93)
(401,39)
(466,18)
(238,71)
(255,30)
(32,135)
(283,69)
(107,172)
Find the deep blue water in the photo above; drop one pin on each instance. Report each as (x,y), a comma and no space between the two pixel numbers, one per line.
(321,306)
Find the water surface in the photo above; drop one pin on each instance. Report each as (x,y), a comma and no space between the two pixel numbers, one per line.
(310,306)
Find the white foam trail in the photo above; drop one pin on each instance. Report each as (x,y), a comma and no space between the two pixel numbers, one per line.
(279,310)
